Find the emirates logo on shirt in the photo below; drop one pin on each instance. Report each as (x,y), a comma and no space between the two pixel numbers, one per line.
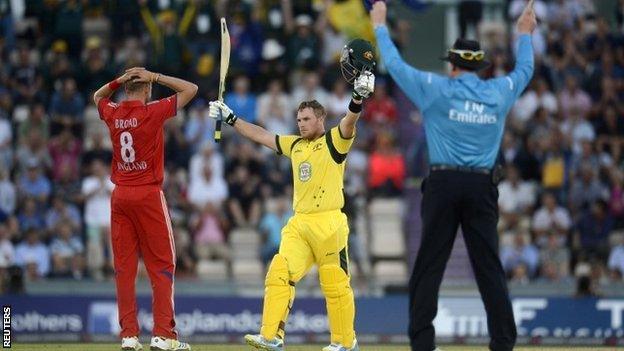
(305,171)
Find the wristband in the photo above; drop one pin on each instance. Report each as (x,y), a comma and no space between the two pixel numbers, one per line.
(114,84)
(356,96)
(355,108)
(155,80)
(231,119)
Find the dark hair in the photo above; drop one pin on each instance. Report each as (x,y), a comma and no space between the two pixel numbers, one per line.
(319,110)
(132,85)
(462,67)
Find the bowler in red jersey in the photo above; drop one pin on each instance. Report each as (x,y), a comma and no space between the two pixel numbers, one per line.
(140,224)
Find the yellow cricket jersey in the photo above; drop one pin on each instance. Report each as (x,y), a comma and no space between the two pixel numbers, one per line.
(318,170)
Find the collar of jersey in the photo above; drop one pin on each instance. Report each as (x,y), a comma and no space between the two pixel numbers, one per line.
(467,75)
(132,103)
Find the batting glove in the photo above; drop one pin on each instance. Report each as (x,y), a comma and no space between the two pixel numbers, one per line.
(218,108)
(364,85)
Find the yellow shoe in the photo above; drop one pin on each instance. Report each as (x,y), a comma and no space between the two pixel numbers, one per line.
(260,343)
(339,347)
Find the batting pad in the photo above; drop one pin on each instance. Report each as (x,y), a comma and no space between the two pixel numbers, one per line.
(279,293)
(340,305)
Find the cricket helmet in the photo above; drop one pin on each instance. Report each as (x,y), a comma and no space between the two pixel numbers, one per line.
(357,56)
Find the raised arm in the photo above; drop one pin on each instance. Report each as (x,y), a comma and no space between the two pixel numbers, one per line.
(363,87)
(518,79)
(109,88)
(248,130)
(418,85)
(185,90)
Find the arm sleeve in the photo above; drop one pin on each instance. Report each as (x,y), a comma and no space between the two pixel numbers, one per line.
(421,87)
(164,108)
(150,24)
(187,18)
(104,108)
(285,144)
(341,143)
(514,83)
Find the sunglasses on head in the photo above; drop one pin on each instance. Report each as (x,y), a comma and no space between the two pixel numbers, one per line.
(469,54)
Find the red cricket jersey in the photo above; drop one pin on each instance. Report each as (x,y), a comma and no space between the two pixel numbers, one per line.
(137,134)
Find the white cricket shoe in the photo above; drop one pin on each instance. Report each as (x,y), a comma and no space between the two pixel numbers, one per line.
(339,347)
(260,343)
(163,344)
(131,344)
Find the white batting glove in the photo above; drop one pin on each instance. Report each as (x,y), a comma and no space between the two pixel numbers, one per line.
(218,108)
(364,85)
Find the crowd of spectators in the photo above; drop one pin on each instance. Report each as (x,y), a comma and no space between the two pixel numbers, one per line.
(561,201)
(561,204)
(55,152)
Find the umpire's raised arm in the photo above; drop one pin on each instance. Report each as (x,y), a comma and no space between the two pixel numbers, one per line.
(420,86)
(464,120)
(517,80)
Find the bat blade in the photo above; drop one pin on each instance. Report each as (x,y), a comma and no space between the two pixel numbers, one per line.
(225,57)
(225,63)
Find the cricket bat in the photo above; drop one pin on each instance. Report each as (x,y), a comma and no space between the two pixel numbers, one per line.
(225,63)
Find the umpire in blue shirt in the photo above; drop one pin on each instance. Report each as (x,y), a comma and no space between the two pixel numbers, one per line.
(464,117)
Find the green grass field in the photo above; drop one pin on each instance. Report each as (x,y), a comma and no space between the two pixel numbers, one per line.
(217,347)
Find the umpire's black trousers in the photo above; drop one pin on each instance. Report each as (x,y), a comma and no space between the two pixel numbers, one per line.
(451,198)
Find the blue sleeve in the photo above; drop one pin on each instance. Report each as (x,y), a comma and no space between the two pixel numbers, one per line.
(421,87)
(515,82)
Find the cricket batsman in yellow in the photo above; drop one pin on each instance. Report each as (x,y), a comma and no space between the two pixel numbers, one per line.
(318,231)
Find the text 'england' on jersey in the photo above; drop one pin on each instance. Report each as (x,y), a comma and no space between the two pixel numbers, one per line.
(318,170)
(137,136)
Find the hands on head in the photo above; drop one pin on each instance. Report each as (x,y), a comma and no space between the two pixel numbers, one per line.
(138,74)
(527,20)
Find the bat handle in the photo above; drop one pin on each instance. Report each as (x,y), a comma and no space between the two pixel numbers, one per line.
(217,133)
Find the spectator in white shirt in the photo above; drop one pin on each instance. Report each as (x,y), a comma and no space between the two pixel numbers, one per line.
(274,109)
(33,256)
(338,101)
(515,200)
(96,190)
(550,217)
(310,89)
(532,100)
(8,196)
(7,252)
(207,185)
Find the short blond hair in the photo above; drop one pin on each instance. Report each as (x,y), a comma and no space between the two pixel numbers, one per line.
(132,85)
(319,110)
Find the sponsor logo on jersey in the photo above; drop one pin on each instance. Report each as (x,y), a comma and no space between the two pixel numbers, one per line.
(305,171)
